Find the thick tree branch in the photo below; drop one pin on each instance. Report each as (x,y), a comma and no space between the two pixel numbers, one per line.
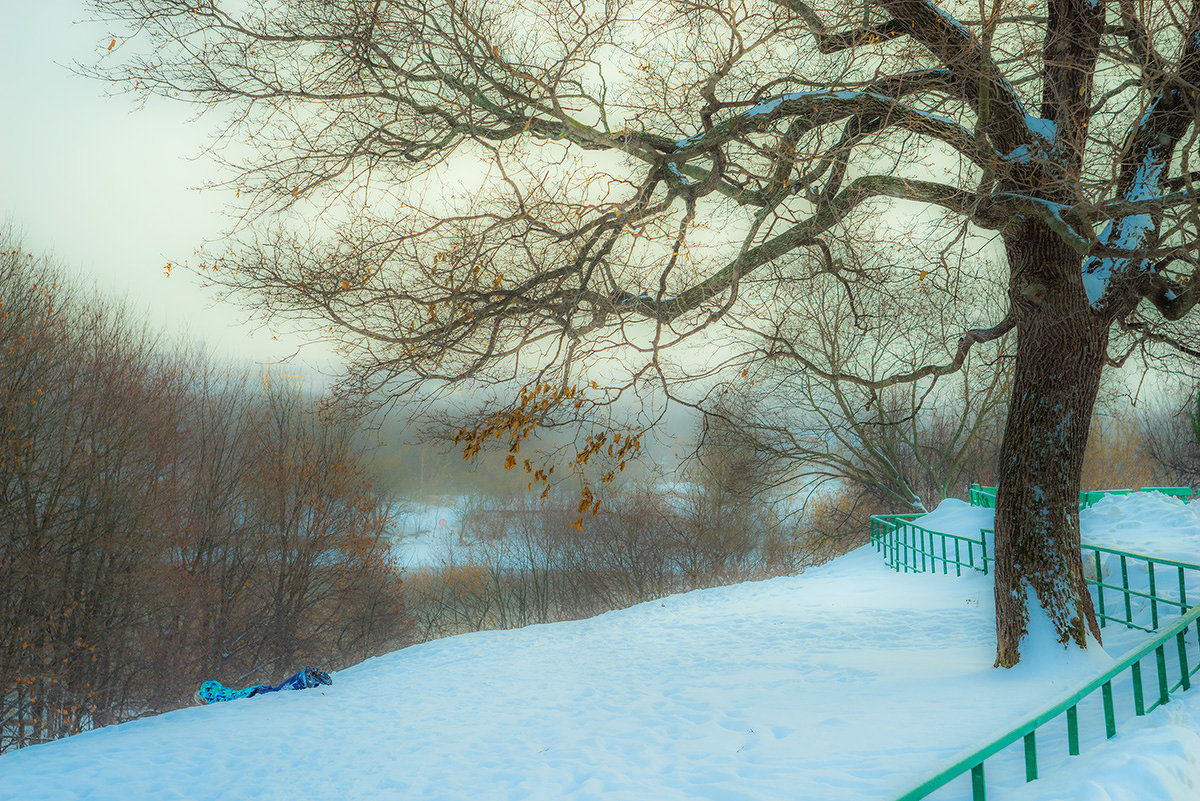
(1006,122)
(1069,55)
(1172,298)
(782,348)
(1148,153)
(862,189)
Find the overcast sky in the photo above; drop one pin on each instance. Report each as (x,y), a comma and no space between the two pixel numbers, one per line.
(109,189)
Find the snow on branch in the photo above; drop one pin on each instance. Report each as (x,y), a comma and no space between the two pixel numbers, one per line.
(816,108)
(1006,120)
(1142,183)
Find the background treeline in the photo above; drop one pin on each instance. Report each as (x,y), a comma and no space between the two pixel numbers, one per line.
(165,521)
(515,560)
(745,507)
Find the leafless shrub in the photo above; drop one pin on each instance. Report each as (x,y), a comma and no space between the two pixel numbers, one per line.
(160,523)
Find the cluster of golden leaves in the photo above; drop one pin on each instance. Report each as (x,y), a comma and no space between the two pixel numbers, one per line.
(518,424)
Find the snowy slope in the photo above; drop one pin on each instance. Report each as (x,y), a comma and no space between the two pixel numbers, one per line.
(848,682)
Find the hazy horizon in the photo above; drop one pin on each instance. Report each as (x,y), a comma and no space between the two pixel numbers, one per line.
(110,190)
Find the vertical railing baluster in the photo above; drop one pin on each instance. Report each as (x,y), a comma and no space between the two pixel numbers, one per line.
(978,791)
(957,558)
(1073,731)
(1100,590)
(1139,697)
(1153,598)
(1185,677)
(1031,771)
(1182,592)
(983,550)
(1110,715)
(1160,659)
(1125,588)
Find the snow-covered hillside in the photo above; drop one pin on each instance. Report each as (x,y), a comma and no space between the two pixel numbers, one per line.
(848,682)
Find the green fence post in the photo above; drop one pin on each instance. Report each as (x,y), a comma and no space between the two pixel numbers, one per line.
(1182,592)
(1185,678)
(1073,731)
(978,792)
(1160,658)
(958,559)
(983,550)
(1100,589)
(1139,700)
(1030,757)
(1153,598)
(1110,718)
(895,538)
(1125,585)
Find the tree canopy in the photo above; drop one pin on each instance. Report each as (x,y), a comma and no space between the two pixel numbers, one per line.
(580,196)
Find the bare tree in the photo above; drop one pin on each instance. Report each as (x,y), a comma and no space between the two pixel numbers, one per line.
(650,178)
(1170,428)
(903,447)
(152,533)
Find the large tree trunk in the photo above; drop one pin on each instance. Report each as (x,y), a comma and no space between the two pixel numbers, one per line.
(1061,347)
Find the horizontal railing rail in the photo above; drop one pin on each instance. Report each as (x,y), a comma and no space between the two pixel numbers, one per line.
(981,495)
(908,546)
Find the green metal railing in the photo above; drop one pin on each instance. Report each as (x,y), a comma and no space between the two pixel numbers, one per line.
(980,495)
(1167,681)
(1154,568)
(909,547)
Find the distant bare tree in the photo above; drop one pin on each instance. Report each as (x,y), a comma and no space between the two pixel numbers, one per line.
(1170,427)
(140,540)
(907,446)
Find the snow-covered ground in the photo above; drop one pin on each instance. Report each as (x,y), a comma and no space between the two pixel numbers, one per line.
(427,535)
(847,682)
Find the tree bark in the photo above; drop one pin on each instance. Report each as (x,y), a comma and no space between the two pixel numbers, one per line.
(1061,351)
